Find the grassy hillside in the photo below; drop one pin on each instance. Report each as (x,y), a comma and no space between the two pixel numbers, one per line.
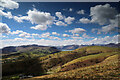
(107,69)
(86,61)
(67,64)
(29,51)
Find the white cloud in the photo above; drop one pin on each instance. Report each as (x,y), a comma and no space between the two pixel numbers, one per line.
(18,39)
(9,4)
(81,12)
(64,9)
(102,14)
(107,16)
(41,18)
(4,28)
(86,36)
(8,14)
(77,30)
(17,32)
(18,42)
(66,35)
(93,30)
(55,33)
(35,34)
(52,37)
(60,23)
(3,36)
(70,9)
(45,35)
(21,18)
(84,20)
(69,20)
(25,34)
(77,38)
(105,40)
(40,27)
(76,35)
(21,33)
(108,28)
(59,15)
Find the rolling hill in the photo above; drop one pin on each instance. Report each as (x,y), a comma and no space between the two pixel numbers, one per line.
(83,63)
(29,48)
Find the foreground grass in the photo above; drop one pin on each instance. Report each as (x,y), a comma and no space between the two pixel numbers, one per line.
(90,57)
(108,69)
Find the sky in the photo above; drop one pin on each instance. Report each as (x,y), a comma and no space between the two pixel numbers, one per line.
(58,23)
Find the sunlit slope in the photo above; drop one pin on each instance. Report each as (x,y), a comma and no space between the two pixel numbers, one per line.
(86,61)
(63,62)
(107,69)
(65,57)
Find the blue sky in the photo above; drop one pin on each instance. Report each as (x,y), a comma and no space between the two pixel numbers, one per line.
(59,23)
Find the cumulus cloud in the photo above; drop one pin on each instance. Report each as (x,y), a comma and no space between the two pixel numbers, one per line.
(48,35)
(70,9)
(77,38)
(13,42)
(37,17)
(69,20)
(52,37)
(24,34)
(4,28)
(84,20)
(81,12)
(66,35)
(77,30)
(55,33)
(9,4)
(59,15)
(20,19)
(8,14)
(107,29)
(76,35)
(86,36)
(105,15)
(105,40)
(60,23)
(102,14)
(93,30)
(35,34)
(18,39)
(17,32)
(45,35)
(39,27)
(112,27)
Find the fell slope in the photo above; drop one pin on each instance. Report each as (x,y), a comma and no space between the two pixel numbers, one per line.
(68,65)
(107,69)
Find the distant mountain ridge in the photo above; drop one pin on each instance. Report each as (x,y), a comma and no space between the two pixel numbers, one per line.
(73,47)
(28,48)
(24,48)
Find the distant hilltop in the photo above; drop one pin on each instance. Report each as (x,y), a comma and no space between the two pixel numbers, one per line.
(73,47)
(25,48)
